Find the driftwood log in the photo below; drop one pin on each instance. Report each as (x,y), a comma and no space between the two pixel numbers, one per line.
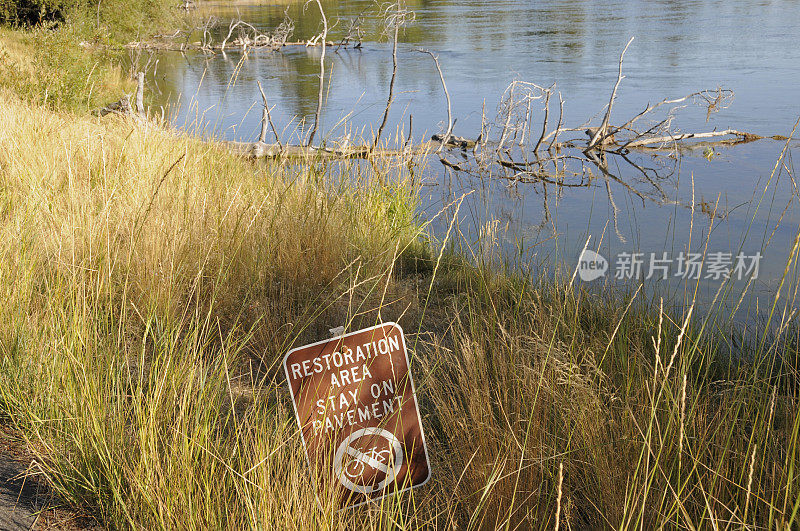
(169,46)
(122,106)
(262,150)
(666,140)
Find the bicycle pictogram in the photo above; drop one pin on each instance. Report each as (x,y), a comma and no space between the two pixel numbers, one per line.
(356,463)
(384,459)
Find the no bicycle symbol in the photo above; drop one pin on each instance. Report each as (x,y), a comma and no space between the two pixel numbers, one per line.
(356,406)
(352,465)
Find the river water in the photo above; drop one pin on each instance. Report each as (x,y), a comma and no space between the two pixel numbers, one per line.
(679,47)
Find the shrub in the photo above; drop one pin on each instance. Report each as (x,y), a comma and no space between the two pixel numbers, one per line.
(31,12)
(120,20)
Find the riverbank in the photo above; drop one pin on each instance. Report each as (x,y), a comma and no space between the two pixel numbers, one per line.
(152,282)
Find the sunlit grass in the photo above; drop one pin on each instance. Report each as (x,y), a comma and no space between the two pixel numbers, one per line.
(142,272)
(49,67)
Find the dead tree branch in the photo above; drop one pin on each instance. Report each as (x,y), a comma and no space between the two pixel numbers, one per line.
(395,16)
(560,122)
(321,72)
(514,109)
(713,105)
(284,30)
(266,117)
(600,135)
(210,23)
(548,92)
(450,122)
(233,25)
(140,94)
(354,33)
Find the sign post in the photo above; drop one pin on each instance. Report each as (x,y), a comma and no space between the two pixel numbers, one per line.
(355,403)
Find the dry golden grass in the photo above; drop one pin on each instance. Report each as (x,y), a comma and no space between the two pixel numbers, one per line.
(142,271)
(50,68)
(13,45)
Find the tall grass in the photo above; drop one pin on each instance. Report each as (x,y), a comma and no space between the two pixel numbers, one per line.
(150,283)
(655,427)
(49,68)
(143,274)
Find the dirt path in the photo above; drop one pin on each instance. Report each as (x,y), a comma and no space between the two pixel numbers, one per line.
(25,501)
(17,496)
(17,499)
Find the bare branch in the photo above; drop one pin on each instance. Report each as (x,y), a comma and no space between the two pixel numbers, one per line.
(599,136)
(397,16)
(544,122)
(712,104)
(321,73)
(354,32)
(560,121)
(233,25)
(266,117)
(447,95)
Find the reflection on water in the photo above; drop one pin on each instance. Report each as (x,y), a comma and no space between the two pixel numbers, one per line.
(679,47)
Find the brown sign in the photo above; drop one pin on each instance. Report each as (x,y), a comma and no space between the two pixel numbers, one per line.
(357,410)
